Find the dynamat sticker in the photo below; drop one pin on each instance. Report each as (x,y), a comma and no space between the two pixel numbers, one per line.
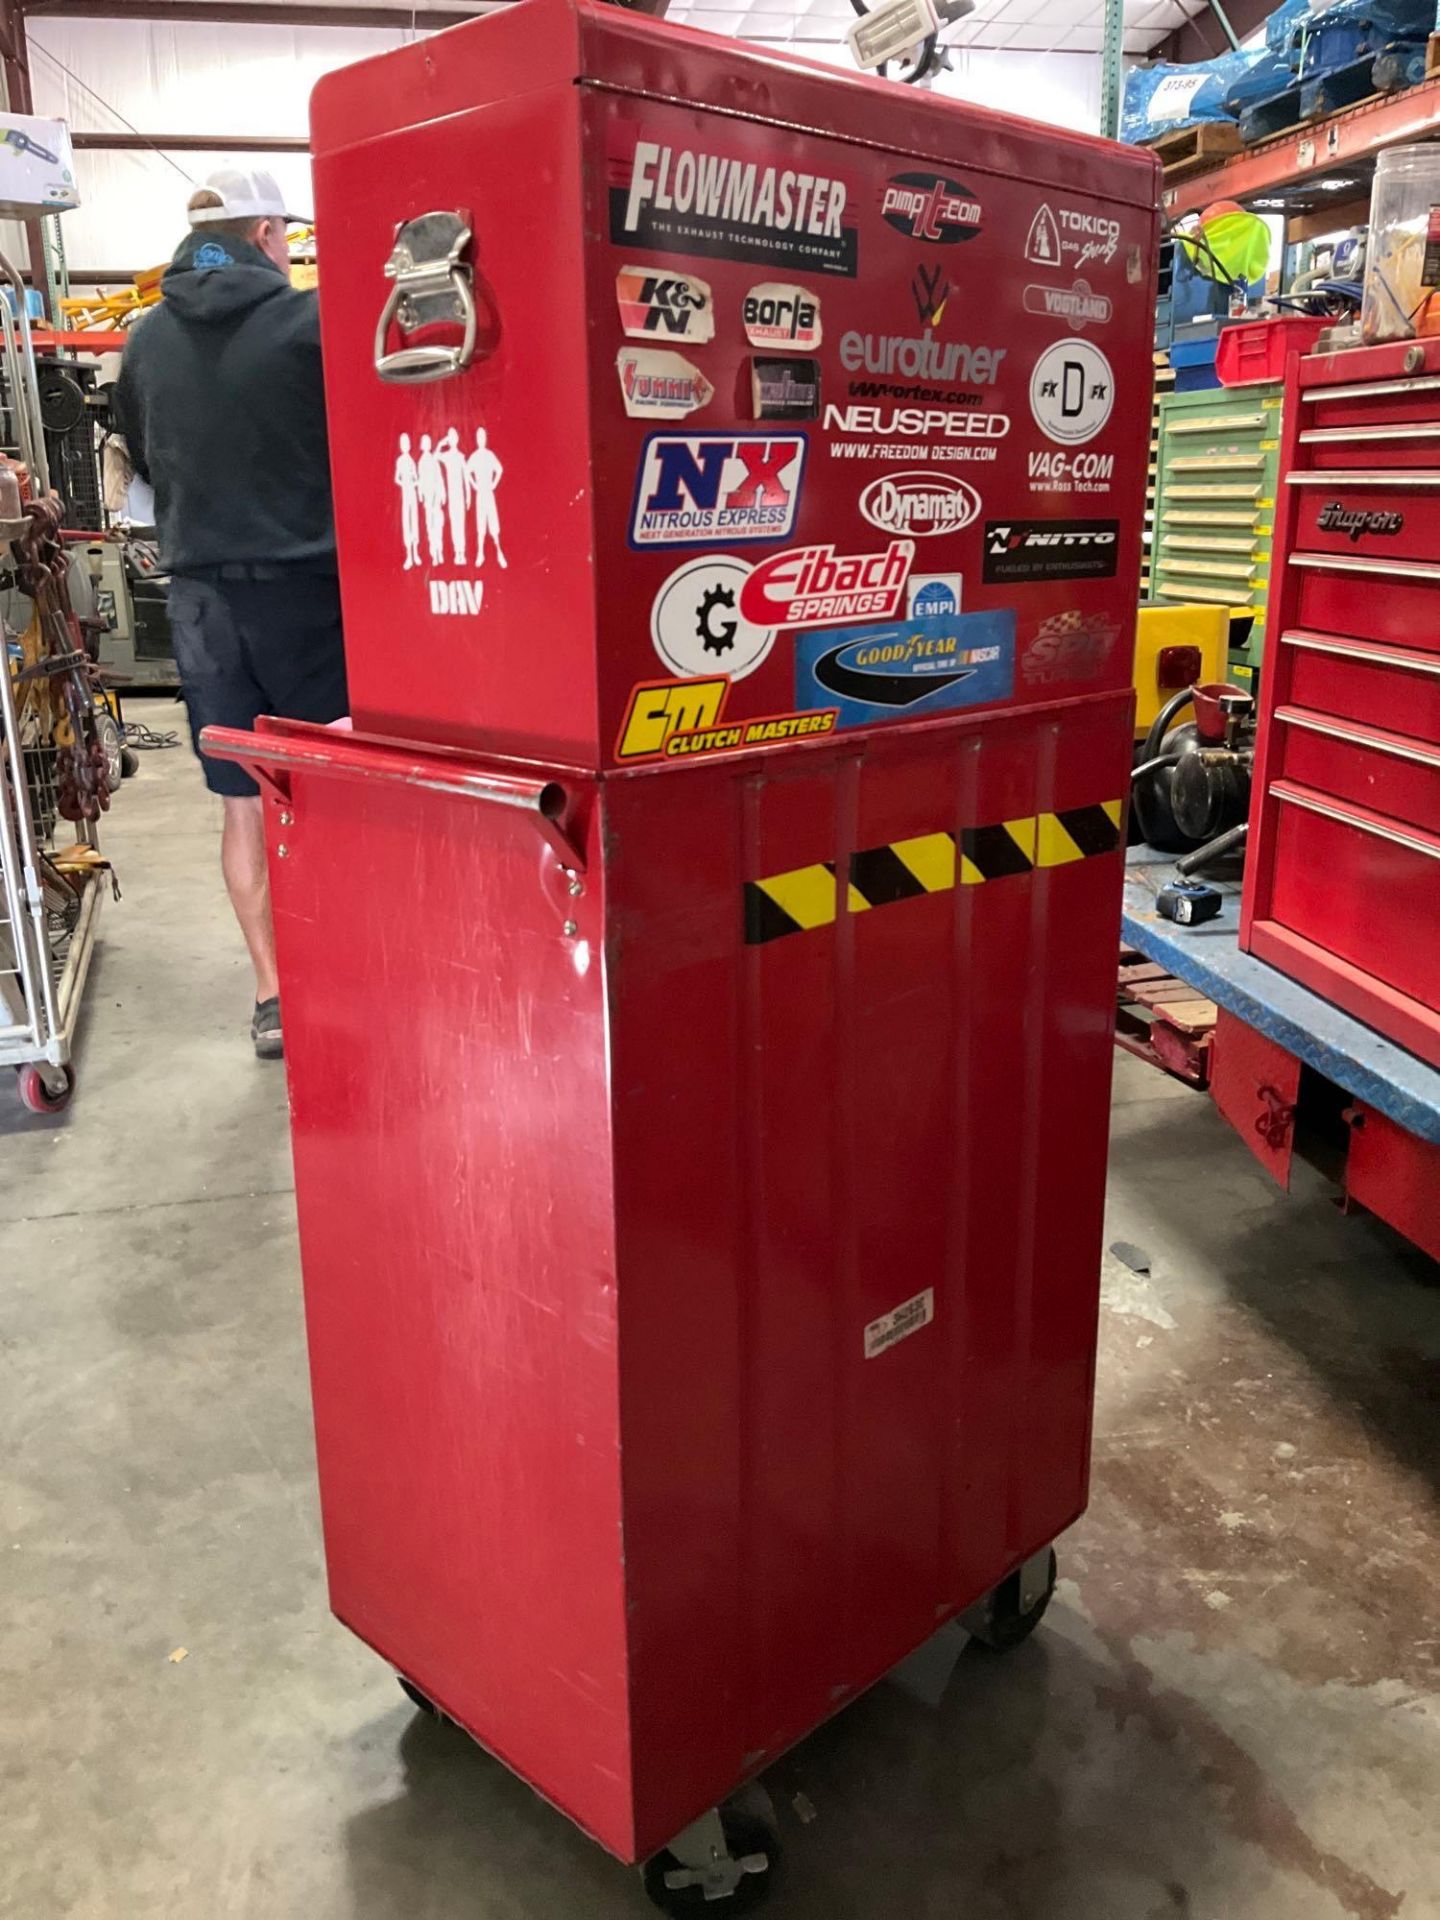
(680,720)
(670,198)
(699,625)
(667,306)
(816,587)
(443,487)
(659,385)
(928,206)
(699,488)
(785,389)
(899,1323)
(1072,392)
(1020,550)
(785,319)
(1077,305)
(912,668)
(922,505)
(1067,238)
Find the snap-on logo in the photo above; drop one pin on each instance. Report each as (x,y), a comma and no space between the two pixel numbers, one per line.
(927,206)
(817,587)
(1356,522)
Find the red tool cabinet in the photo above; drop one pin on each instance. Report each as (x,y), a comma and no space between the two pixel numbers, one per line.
(1342,885)
(698,962)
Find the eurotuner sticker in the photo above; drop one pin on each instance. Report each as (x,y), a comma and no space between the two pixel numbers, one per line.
(655,305)
(1072,392)
(659,385)
(710,489)
(783,318)
(699,626)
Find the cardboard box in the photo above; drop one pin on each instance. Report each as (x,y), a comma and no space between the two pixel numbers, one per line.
(37,167)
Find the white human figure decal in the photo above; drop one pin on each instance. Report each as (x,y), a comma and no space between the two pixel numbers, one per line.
(483,472)
(431,476)
(457,492)
(407,479)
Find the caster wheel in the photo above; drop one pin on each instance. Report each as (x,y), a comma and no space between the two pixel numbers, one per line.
(129,763)
(754,1855)
(107,732)
(417,1698)
(35,1095)
(1000,1622)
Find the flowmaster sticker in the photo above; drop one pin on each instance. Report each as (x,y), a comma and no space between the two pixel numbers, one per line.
(901,1321)
(664,306)
(908,668)
(786,319)
(699,489)
(658,385)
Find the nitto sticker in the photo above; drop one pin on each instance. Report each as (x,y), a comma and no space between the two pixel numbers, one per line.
(699,626)
(922,505)
(785,319)
(1069,646)
(442,488)
(1017,550)
(929,594)
(1078,306)
(1356,522)
(816,587)
(908,668)
(1072,391)
(658,385)
(1054,471)
(883,1333)
(928,206)
(680,199)
(1065,237)
(785,389)
(664,306)
(702,489)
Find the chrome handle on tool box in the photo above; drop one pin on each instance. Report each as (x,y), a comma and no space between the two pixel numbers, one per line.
(280,747)
(433,286)
(1332,810)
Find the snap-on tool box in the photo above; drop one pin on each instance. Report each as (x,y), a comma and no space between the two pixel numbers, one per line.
(1342,886)
(698,962)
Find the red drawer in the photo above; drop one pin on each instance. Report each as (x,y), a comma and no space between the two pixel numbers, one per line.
(1360,887)
(1390,687)
(1397,604)
(1391,774)
(1405,401)
(1403,447)
(1381,515)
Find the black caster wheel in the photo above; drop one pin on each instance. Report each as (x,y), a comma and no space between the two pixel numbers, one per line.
(1003,1620)
(737,1884)
(416,1698)
(129,763)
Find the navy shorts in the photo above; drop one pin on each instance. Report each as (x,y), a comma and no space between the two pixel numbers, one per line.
(247,646)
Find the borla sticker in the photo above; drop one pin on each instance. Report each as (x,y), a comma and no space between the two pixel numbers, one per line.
(664,306)
(785,319)
(660,386)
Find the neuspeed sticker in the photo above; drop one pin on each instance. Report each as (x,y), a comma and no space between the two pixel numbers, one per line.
(928,206)
(1072,391)
(920,504)
(784,389)
(883,1333)
(1069,238)
(949,423)
(1017,550)
(880,673)
(657,385)
(664,306)
(1076,305)
(697,623)
(817,587)
(1055,471)
(701,489)
(785,319)
(669,198)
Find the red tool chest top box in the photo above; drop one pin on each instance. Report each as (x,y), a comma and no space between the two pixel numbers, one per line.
(1342,886)
(699,960)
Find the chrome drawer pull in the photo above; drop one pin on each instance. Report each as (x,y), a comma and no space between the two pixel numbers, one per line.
(1217,423)
(1348,819)
(1401,478)
(1369,389)
(1358,563)
(1354,736)
(1394,430)
(1375,656)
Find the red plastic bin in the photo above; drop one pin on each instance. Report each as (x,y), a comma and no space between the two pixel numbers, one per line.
(1258,349)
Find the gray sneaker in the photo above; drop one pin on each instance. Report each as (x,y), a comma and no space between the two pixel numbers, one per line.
(265,1029)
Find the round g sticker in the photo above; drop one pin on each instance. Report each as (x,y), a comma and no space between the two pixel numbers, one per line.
(697,625)
(1071,392)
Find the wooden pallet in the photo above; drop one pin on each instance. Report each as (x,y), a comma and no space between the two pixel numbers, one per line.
(1163,1020)
(1432,57)
(1192,149)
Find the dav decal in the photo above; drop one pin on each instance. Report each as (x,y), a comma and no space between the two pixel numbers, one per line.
(667,306)
(657,385)
(908,669)
(698,489)
(817,587)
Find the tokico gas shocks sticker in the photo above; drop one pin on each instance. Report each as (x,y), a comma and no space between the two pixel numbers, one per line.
(1017,550)
(1064,237)
(683,721)
(927,206)
(657,385)
(668,198)
(817,587)
(442,488)
(923,504)
(664,306)
(785,319)
(1076,305)
(705,489)
(909,668)
(699,626)
(1072,391)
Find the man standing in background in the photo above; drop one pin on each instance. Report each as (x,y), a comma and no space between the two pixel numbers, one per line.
(222,408)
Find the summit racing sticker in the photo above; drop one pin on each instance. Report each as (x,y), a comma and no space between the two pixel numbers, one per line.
(817,587)
(1018,550)
(664,306)
(701,489)
(656,385)
(928,206)
(910,668)
(669,198)
(921,504)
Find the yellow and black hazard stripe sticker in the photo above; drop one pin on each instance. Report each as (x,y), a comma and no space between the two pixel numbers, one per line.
(807,897)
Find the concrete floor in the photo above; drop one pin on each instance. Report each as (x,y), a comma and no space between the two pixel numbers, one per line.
(1232,1712)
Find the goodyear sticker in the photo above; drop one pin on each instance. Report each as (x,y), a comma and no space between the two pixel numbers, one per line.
(908,669)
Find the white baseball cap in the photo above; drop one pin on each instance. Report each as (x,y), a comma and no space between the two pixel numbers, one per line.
(245,195)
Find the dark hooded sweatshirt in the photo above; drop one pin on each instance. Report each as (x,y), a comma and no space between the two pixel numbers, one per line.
(221,404)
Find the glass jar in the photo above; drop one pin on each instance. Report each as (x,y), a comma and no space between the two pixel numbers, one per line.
(1402,265)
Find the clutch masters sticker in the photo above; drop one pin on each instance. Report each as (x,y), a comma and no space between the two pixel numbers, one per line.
(664,306)
(910,668)
(702,489)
